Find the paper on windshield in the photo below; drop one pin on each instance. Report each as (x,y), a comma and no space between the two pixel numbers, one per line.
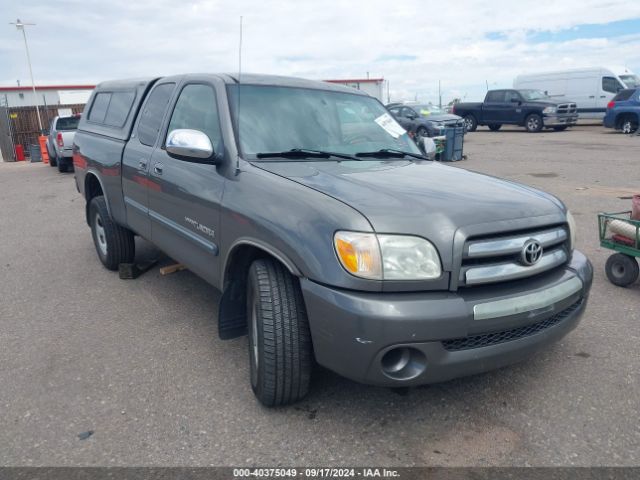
(392,127)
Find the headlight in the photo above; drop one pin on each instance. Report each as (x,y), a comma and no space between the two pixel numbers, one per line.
(572,230)
(387,257)
(549,110)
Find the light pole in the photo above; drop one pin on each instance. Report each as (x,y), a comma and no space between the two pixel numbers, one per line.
(20,26)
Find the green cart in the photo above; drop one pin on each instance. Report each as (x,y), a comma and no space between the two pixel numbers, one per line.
(619,232)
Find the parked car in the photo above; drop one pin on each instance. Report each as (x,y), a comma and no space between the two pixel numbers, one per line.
(529,108)
(589,88)
(623,112)
(60,141)
(326,230)
(425,120)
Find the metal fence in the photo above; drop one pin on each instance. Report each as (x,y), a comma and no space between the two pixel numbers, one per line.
(21,125)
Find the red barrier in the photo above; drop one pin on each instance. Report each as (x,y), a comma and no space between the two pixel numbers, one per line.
(19,153)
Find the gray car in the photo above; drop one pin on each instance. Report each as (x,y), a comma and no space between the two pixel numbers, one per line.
(329,234)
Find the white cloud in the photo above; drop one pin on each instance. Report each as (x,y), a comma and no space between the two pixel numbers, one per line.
(89,41)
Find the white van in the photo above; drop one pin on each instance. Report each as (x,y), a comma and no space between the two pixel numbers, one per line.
(590,88)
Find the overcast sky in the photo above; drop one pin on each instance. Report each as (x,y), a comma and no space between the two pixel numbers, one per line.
(412,43)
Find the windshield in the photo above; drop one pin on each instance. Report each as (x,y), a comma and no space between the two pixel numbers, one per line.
(65,124)
(427,109)
(278,119)
(533,94)
(631,81)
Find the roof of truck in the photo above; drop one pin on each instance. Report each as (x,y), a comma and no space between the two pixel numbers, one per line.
(232,78)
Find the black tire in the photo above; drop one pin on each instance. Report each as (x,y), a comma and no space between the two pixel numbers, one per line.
(470,123)
(53,161)
(280,351)
(494,127)
(422,132)
(560,128)
(63,166)
(622,270)
(533,123)
(628,125)
(118,242)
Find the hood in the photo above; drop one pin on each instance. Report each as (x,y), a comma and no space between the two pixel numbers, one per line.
(426,199)
(546,103)
(441,117)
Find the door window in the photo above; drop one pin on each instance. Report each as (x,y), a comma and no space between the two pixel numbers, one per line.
(409,113)
(611,84)
(496,96)
(512,96)
(196,109)
(151,117)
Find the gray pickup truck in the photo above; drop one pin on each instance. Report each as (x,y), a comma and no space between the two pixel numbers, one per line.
(60,141)
(328,233)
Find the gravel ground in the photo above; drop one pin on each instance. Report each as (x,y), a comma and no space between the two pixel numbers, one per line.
(138,362)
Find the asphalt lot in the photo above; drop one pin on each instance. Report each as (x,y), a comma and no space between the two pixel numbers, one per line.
(139,363)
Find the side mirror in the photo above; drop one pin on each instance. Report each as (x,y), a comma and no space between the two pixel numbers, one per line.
(190,144)
(411,116)
(515,100)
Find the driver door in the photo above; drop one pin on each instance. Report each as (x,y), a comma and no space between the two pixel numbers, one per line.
(185,208)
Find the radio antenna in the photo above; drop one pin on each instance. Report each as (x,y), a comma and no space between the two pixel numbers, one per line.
(238,98)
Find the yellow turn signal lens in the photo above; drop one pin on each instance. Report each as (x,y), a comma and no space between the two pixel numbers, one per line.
(359,254)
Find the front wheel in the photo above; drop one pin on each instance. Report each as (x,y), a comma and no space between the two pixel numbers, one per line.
(533,123)
(622,270)
(114,244)
(280,349)
(494,127)
(470,123)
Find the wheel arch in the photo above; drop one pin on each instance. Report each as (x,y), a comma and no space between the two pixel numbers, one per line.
(93,187)
(620,117)
(232,321)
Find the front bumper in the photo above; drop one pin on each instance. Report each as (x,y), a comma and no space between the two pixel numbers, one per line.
(353,331)
(560,120)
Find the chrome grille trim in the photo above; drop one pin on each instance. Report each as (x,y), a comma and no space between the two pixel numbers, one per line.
(513,245)
(511,271)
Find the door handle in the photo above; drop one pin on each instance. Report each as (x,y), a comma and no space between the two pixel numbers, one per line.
(603,96)
(157,169)
(142,164)
(592,96)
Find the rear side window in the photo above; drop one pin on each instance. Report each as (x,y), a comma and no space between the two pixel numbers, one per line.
(151,117)
(611,84)
(99,108)
(623,95)
(197,109)
(111,108)
(119,108)
(496,96)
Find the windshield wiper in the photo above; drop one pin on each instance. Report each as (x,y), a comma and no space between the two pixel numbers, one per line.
(305,153)
(390,152)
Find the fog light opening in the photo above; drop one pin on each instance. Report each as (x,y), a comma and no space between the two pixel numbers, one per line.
(403,363)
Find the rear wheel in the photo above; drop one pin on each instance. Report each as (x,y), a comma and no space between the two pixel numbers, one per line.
(494,127)
(470,123)
(622,270)
(114,244)
(533,123)
(280,349)
(628,125)
(53,161)
(63,166)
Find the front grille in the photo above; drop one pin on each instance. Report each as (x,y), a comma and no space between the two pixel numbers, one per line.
(499,258)
(494,338)
(566,108)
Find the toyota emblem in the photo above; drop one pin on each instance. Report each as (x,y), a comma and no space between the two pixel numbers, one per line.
(531,252)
